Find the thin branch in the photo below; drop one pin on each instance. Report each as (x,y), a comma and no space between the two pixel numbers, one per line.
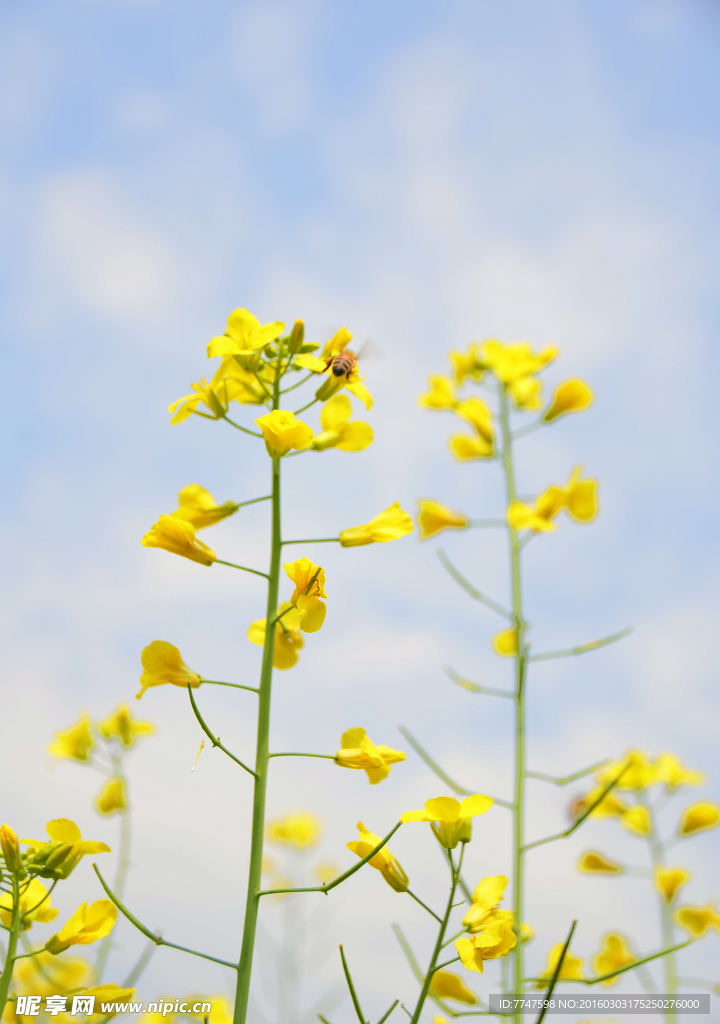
(312,540)
(236,686)
(353,993)
(215,740)
(527,429)
(556,974)
(237,426)
(424,905)
(583,816)
(440,773)
(583,648)
(475,687)
(446,964)
(329,757)
(157,939)
(565,779)
(292,387)
(304,407)
(471,590)
(341,878)
(254,501)
(386,1015)
(255,572)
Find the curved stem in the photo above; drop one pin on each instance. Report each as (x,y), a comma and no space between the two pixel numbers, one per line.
(215,740)
(252,903)
(329,757)
(454,876)
(15,924)
(304,407)
(313,540)
(237,426)
(255,572)
(303,381)
(157,939)
(657,853)
(235,686)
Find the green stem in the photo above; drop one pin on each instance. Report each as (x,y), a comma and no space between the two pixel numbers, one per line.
(351,987)
(299,383)
(262,749)
(12,945)
(594,645)
(122,869)
(255,572)
(520,670)
(329,757)
(454,875)
(304,407)
(424,905)
(235,686)
(313,540)
(238,427)
(657,853)
(215,740)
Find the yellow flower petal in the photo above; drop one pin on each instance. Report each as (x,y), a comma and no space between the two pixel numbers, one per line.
(123,726)
(476,412)
(446,985)
(614,954)
(466,448)
(74,743)
(299,829)
(674,774)
(111,799)
(571,967)
(596,863)
(178,537)
(435,517)
(699,817)
(570,396)
(669,881)
(198,507)
(162,664)
(441,394)
(698,920)
(637,819)
(87,924)
(383,861)
(282,432)
(506,644)
(391,524)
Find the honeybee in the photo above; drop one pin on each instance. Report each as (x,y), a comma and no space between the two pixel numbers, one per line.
(343,363)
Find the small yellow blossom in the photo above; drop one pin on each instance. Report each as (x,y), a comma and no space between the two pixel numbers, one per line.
(198,507)
(186,406)
(640,772)
(511,363)
(571,969)
(391,524)
(570,396)
(496,939)
(75,743)
(88,924)
(697,920)
(10,849)
(126,728)
(485,900)
(506,644)
(108,994)
(282,432)
(35,905)
(446,985)
(466,365)
(614,954)
(299,829)
(454,819)
(478,415)
(309,580)
(526,392)
(578,498)
(435,517)
(596,863)
(111,799)
(178,537)
(441,394)
(59,857)
(637,819)
(244,333)
(358,751)
(673,773)
(383,860)
(288,639)
(466,448)
(234,382)
(699,817)
(162,664)
(669,881)
(338,432)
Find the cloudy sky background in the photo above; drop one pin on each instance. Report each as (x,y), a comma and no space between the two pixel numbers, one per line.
(428,174)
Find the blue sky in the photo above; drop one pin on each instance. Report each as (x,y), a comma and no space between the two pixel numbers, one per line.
(427,174)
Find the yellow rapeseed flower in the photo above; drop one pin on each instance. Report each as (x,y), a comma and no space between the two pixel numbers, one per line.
(435,517)
(697,920)
(233,382)
(475,412)
(111,798)
(699,817)
(673,773)
(454,818)
(494,940)
(198,507)
(282,432)
(614,954)
(338,432)
(244,334)
(88,924)
(571,969)
(178,537)
(309,580)
(526,392)
(10,849)
(596,863)
(466,365)
(35,905)
(288,639)
(485,900)
(465,448)
(107,994)
(122,725)
(66,848)
(391,524)
(358,751)
(186,406)
(514,362)
(299,829)
(669,881)
(639,774)
(45,975)
(506,644)
(578,498)
(570,396)
(637,819)
(441,394)
(383,860)
(74,743)
(446,985)
(162,664)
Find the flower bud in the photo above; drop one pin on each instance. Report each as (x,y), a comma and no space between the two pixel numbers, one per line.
(297,336)
(11,850)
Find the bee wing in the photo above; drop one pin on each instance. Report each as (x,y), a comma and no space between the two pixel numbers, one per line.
(370,350)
